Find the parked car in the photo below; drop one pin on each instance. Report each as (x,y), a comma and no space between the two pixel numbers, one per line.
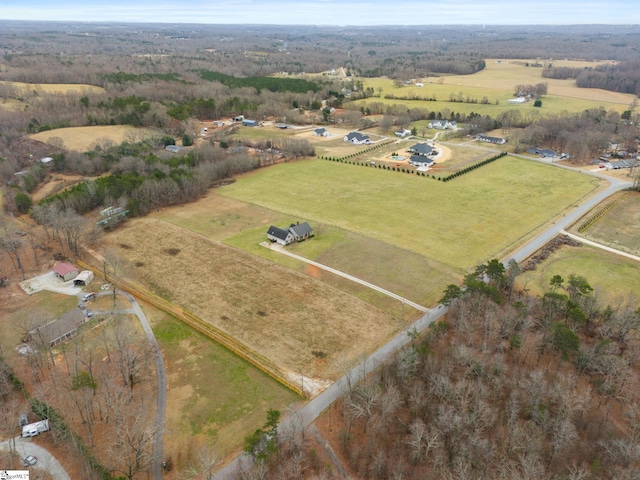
(88,296)
(29,461)
(89,313)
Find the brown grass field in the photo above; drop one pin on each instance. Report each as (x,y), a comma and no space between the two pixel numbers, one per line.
(83,139)
(300,323)
(619,227)
(65,88)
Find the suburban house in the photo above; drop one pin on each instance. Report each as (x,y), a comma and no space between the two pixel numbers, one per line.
(59,330)
(321,132)
(543,152)
(617,165)
(486,138)
(65,271)
(421,149)
(297,232)
(250,123)
(443,125)
(403,133)
(420,161)
(357,138)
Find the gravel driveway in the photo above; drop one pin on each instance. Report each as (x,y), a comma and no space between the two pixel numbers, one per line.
(46,461)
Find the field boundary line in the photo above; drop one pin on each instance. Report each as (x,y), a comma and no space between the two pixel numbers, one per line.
(259,361)
(603,247)
(278,248)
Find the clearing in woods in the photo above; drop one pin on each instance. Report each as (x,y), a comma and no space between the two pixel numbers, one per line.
(83,139)
(300,323)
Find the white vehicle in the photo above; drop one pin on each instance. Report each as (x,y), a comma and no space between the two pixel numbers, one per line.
(36,428)
(88,296)
(29,461)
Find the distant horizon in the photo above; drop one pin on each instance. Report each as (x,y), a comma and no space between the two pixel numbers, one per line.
(356,13)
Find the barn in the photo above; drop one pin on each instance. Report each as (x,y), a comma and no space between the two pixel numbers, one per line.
(65,271)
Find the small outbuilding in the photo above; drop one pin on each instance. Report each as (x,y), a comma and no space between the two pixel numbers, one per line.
(249,123)
(65,271)
(83,279)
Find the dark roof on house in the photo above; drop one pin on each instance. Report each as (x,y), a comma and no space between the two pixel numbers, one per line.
(301,229)
(488,138)
(63,268)
(421,159)
(320,130)
(278,232)
(61,326)
(357,136)
(545,152)
(421,148)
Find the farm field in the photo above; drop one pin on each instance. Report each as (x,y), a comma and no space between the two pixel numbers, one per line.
(300,323)
(497,82)
(459,223)
(244,226)
(22,88)
(83,139)
(616,275)
(213,397)
(619,227)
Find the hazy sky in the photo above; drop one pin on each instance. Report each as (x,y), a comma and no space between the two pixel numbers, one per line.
(330,12)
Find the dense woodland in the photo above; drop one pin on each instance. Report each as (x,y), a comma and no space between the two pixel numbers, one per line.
(507,387)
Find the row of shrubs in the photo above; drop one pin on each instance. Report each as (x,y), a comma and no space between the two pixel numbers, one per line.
(600,213)
(411,170)
(356,154)
(473,167)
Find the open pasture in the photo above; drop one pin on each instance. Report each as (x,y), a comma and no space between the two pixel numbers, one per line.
(460,223)
(213,397)
(83,139)
(497,82)
(615,275)
(21,88)
(300,323)
(619,227)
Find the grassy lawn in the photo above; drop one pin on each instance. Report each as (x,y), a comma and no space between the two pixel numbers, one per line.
(213,397)
(619,227)
(607,272)
(459,224)
(83,139)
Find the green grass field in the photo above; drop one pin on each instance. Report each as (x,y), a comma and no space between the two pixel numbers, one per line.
(459,224)
(613,275)
(619,227)
(213,397)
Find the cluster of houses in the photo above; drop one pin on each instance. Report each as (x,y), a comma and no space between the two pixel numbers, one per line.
(296,232)
(422,155)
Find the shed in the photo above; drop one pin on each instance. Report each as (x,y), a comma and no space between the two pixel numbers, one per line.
(83,279)
(249,123)
(65,271)
(46,160)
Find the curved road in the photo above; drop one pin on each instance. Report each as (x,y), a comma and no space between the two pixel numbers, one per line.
(156,453)
(310,411)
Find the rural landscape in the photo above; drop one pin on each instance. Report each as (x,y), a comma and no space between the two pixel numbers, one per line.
(276,252)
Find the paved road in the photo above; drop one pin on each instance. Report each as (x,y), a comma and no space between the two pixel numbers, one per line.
(161,405)
(156,454)
(278,248)
(309,412)
(46,461)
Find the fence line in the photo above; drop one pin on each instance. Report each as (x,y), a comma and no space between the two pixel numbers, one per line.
(243,351)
